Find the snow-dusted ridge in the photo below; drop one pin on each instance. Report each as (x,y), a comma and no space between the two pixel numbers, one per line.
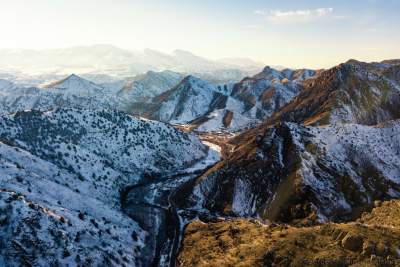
(294,171)
(149,85)
(50,216)
(76,85)
(167,96)
(62,172)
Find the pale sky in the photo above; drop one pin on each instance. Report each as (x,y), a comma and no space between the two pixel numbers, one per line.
(293,33)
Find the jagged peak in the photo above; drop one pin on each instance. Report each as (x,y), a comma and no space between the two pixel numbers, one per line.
(269,73)
(188,83)
(74,76)
(73,82)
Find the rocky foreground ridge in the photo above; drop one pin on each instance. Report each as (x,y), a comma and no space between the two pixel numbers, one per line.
(372,240)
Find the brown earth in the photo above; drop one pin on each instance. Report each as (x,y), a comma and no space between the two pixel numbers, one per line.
(372,240)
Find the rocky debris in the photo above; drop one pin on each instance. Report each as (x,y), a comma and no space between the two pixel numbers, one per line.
(352,242)
(383,214)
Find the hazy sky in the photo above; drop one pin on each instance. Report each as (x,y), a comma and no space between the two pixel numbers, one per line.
(294,33)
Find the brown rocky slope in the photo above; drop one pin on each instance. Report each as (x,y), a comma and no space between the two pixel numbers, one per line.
(372,240)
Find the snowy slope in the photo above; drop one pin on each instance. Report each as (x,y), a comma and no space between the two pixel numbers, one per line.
(230,118)
(268,91)
(46,99)
(76,85)
(49,216)
(254,99)
(187,101)
(61,176)
(151,84)
(291,172)
(166,97)
(67,136)
(353,92)
(72,91)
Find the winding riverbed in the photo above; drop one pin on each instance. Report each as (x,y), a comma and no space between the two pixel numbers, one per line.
(155,206)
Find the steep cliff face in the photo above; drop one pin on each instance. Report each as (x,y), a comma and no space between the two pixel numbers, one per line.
(291,172)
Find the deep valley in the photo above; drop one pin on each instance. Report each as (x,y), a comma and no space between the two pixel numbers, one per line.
(291,167)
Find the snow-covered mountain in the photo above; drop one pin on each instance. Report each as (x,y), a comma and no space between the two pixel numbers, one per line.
(75,85)
(134,95)
(357,92)
(72,91)
(49,133)
(269,90)
(318,96)
(292,172)
(232,107)
(151,84)
(61,177)
(254,99)
(287,171)
(187,101)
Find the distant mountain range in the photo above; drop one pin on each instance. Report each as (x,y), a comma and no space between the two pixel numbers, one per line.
(169,97)
(116,62)
(319,97)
